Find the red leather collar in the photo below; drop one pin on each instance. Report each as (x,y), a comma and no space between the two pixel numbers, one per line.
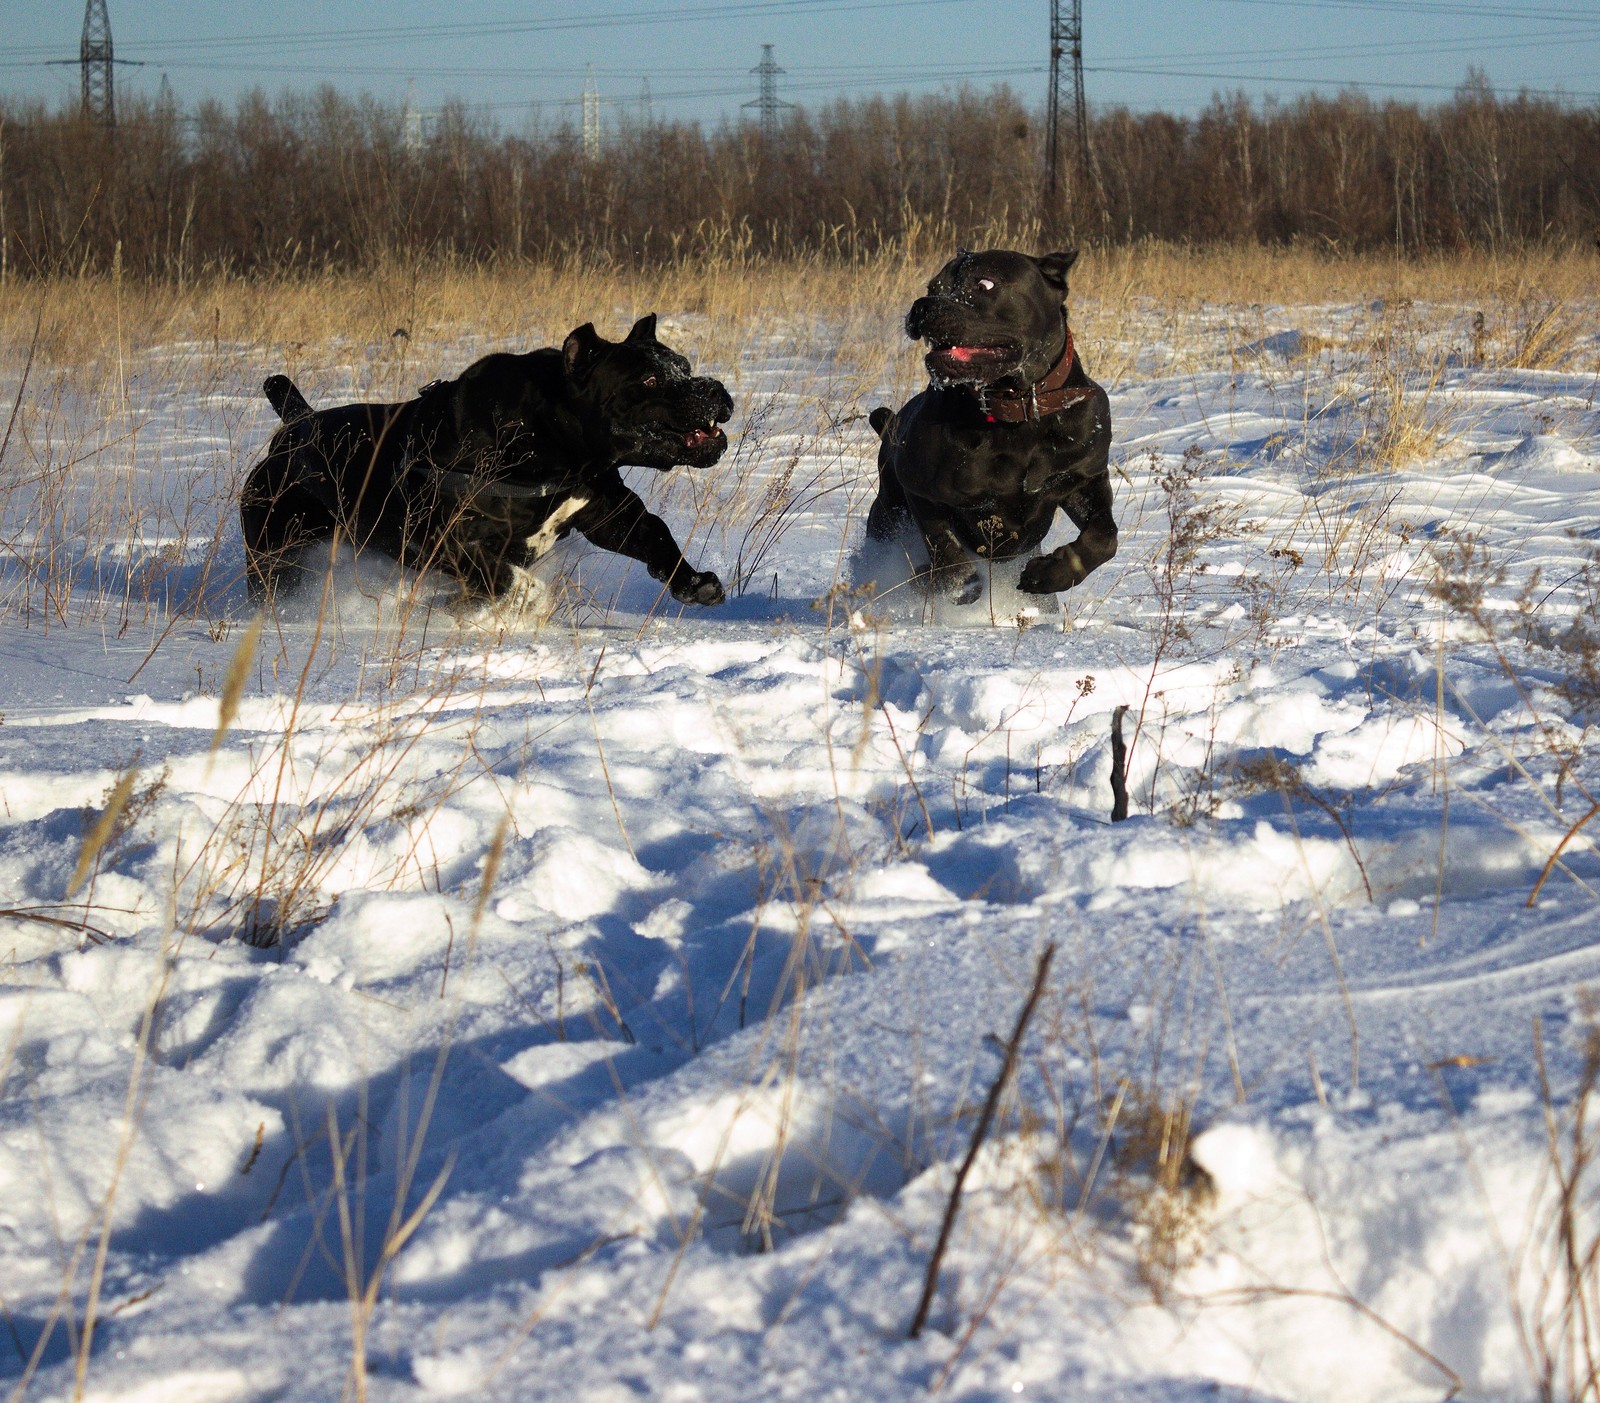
(1047,396)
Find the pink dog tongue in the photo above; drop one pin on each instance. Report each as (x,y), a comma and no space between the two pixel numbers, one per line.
(963,352)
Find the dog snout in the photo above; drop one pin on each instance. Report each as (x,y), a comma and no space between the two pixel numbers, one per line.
(700,400)
(939,318)
(916,318)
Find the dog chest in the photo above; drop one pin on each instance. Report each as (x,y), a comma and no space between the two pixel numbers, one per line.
(967,468)
(542,540)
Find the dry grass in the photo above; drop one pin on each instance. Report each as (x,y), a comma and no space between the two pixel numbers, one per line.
(520,304)
(97,320)
(1405,421)
(1547,334)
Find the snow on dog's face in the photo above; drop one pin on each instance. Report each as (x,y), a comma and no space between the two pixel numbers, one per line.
(656,413)
(991,315)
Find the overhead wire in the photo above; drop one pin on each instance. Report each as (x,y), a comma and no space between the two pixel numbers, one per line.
(1323,81)
(213,53)
(1457,9)
(388,34)
(1416,48)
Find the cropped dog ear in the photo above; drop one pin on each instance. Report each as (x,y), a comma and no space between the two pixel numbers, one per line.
(644,329)
(580,347)
(1054,266)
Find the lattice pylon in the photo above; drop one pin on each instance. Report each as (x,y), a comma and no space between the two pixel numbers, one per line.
(95,57)
(591,116)
(769,104)
(1066,41)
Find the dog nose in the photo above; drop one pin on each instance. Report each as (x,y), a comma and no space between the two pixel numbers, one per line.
(914,318)
(724,409)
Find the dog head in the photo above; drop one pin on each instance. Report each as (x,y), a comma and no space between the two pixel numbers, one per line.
(990,316)
(642,396)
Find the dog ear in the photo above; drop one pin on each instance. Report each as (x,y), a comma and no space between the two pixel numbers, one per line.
(579,348)
(1054,266)
(644,329)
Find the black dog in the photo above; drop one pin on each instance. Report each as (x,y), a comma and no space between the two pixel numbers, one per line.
(482,474)
(1010,429)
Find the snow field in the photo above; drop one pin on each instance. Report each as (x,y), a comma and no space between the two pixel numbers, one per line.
(627,980)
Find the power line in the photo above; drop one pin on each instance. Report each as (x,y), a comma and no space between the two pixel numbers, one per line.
(1460,9)
(1323,81)
(914,72)
(1415,48)
(876,82)
(1148,63)
(389,34)
(694,94)
(697,94)
(1252,66)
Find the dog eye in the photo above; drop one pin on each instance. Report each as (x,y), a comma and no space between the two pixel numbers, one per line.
(649,382)
(987,284)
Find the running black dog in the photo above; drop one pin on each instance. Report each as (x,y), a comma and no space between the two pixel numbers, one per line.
(482,474)
(1009,430)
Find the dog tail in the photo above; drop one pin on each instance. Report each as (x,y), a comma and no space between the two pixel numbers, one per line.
(285,397)
(881,419)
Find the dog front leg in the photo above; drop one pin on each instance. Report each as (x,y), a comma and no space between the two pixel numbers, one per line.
(1070,564)
(617,520)
(949,569)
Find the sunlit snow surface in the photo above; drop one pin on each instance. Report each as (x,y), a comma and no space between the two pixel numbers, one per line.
(683,1090)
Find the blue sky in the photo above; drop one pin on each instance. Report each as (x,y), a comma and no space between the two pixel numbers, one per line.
(505,56)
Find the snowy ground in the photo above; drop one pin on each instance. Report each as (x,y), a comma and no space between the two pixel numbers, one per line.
(643,972)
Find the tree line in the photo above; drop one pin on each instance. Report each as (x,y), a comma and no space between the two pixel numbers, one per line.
(322,181)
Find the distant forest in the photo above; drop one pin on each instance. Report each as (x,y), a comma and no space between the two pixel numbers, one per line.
(322,181)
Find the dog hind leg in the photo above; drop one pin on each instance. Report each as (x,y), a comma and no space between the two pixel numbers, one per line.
(277,517)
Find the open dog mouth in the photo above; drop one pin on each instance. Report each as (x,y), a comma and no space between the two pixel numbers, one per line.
(698,437)
(957,359)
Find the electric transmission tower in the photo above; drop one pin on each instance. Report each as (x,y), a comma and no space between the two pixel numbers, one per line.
(1066,37)
(94,54)
(591,116)
(411,121)
(769,104)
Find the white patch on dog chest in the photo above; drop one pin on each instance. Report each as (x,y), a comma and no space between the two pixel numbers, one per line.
(545,537)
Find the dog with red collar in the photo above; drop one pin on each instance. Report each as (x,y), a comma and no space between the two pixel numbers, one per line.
(1009,431)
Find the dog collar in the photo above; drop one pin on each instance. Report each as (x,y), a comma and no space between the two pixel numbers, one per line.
(1047,396)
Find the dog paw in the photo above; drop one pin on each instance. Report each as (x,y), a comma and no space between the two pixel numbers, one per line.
(968,590)
(698,587)
(1036,577)
(1050,574)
